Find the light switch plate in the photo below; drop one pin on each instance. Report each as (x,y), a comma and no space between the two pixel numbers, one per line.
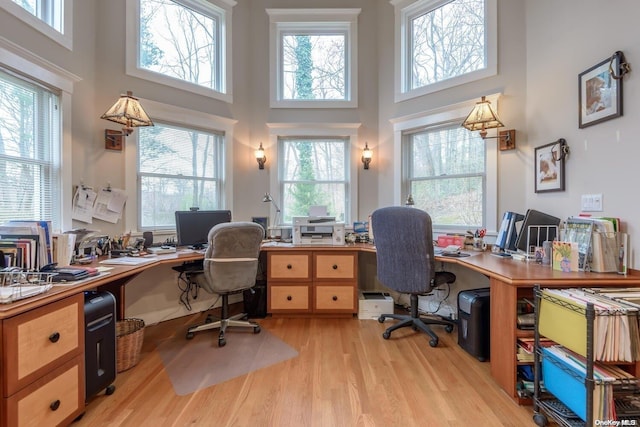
(591,203)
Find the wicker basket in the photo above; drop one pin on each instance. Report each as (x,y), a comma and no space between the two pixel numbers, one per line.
(130,334)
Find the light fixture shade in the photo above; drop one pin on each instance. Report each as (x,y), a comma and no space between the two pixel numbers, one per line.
(482,117)
(261,158)
(128,112)
(367,155)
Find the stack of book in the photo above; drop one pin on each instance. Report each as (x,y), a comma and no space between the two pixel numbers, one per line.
(25,244)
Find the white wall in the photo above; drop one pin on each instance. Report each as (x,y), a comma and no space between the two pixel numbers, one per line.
(564,39)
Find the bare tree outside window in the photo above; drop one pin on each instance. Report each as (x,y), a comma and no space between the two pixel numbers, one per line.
(313,66)
(447,42)
(180,42)
(446,175)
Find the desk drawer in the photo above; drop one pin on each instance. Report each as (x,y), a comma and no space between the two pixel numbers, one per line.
(287,265)
(289,298)
(335,298)
(56,399)
(36,341)
(335,266)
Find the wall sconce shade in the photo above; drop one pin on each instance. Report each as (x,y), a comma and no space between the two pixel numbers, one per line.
(367,154)
(128,112)
(261,158)
(482,117)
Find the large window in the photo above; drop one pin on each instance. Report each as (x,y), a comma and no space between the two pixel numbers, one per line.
(313,57)
(29,150)
(178,168)
(51,17)
(442,43)
(314,172)
(450,172)
(181,43)
(445,174)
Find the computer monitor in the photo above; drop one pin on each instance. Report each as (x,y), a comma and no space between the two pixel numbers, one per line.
(192,227)
(534,236)
(507,233)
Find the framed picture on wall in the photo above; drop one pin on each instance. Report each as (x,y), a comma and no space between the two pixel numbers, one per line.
(549,167)
(600,92)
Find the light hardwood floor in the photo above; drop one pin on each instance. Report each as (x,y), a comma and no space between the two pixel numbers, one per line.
(345,375)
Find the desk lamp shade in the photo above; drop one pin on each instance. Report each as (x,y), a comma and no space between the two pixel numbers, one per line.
(128,112)
(481,118)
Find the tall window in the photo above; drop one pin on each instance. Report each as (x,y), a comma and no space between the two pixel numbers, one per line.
(178,168)
(29,149)
(181,42)
(53,18)
(313,57)
(446,175)
(443,43)
(314,171)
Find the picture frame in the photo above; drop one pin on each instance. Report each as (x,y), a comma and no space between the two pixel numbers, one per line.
(549,168)
(263,221)
(600,92)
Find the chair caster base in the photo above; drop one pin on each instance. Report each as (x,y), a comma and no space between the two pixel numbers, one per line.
(190,335)
(448,328)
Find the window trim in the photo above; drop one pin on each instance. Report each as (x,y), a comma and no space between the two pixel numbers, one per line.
(405,10)
(64,38)
(186,118)
(315,21)
(132,36)
(346,130)
(439,116)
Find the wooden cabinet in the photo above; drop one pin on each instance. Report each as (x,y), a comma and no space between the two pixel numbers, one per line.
(312,282)
(43,364)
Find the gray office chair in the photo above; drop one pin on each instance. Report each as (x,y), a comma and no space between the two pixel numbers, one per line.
(406,264)
(229,267)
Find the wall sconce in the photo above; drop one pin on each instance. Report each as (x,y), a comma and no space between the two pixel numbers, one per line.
(268,199)
(482,117)
(128,112)
(260,157)
(366,155)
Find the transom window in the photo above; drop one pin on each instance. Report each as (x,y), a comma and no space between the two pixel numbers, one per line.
(30,147)
(313,57)
(181,43)
(178,168)
(314,171)
(443,43)
(53,18)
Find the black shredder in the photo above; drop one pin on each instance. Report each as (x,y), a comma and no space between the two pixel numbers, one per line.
(100,342)
(474,322)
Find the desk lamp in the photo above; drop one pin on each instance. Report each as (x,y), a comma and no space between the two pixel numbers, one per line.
(268,199)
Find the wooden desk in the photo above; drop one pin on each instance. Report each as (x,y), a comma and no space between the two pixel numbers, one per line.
(509,280)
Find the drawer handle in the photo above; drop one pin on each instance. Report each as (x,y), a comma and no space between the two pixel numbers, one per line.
(289,267)
(289,297)
(335,267)
(54,337)
(55,405)
(335,298)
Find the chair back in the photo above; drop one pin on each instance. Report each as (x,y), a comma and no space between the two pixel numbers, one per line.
(231,260)
(404,248)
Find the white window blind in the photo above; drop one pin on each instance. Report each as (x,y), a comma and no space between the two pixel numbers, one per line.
(29,146)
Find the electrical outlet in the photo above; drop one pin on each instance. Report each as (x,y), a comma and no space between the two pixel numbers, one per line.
(591,203)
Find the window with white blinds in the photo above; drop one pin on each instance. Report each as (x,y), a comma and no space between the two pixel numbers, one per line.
(178,168)
(30,144)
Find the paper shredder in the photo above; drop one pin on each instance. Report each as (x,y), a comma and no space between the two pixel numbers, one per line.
(100,342)
(474,322)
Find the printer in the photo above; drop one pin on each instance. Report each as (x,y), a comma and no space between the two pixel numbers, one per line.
(315,230)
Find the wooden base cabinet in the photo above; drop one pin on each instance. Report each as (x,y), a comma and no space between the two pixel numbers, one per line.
(42,365)
(312,282)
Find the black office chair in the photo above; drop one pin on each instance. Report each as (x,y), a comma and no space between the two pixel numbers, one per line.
(405,263)
(229,267)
